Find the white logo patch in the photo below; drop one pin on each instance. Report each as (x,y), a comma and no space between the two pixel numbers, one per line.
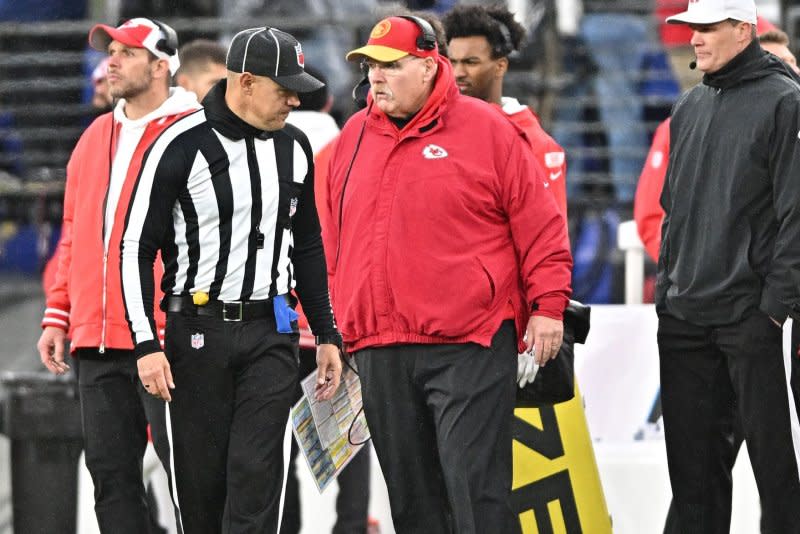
(198,341)
(554,159)
(434,152)
(657,159)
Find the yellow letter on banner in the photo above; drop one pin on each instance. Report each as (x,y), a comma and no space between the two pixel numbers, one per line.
(556,486)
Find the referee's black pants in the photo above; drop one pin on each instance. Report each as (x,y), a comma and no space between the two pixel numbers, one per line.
(707,373)
(440,418)
(234,384)
(115,411)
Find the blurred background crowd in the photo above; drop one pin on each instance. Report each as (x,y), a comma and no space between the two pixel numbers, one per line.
(600,74)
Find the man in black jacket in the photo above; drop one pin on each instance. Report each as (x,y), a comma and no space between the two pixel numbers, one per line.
(730,243)
(227,195)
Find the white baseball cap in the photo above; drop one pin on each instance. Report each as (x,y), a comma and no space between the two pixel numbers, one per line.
(140,32)
(713,11)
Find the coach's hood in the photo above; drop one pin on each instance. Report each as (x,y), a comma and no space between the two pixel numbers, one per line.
(179,101)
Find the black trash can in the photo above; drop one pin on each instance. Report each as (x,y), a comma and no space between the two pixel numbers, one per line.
(42,419)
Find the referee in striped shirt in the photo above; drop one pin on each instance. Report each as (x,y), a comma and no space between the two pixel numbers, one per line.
(227,195)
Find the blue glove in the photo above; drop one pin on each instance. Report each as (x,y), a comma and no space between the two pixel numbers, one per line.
(284,315)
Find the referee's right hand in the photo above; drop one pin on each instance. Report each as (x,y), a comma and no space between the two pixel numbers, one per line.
(156,376)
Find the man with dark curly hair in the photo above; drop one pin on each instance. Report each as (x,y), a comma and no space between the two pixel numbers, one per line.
(480,39)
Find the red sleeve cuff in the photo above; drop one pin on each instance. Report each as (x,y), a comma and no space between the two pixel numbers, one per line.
(56,317)
(551,306)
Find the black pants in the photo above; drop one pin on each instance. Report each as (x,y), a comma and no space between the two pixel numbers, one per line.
(707,374)
(352,501)
(440,418)
(671,524)
(115,410)
(234,384)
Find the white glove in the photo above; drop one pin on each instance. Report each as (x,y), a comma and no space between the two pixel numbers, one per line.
(526,368)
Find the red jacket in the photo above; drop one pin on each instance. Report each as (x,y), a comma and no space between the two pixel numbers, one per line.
(445,226)
(321,160)
(545,149)
(86,296)
(647,204)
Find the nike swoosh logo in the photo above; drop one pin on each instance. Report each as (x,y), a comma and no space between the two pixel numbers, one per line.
(555,175)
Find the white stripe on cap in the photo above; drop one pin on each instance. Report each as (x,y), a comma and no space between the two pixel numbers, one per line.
(277,52)
(230,46)
(247,45)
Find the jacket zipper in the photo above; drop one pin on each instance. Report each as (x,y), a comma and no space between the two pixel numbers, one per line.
(103,328)
(102,348)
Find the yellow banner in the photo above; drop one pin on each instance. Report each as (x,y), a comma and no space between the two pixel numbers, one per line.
(557,486)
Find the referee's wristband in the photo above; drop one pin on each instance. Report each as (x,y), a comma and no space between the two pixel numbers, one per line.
(334,338)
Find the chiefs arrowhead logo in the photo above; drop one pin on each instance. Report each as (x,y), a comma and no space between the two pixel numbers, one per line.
(434,152)
(380,29)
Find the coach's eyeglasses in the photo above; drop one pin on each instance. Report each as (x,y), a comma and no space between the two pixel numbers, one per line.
(388,68)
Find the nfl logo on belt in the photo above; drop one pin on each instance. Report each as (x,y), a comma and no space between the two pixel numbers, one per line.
(198,341)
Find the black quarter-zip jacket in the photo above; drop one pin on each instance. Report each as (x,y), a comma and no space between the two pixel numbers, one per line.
(731,234)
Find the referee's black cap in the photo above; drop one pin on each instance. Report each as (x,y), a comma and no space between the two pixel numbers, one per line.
(272,53)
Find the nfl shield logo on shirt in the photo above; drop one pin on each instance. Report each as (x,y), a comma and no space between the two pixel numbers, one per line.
(198,341)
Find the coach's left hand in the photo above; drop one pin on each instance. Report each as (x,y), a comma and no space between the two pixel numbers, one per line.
(544,335)
(329,370)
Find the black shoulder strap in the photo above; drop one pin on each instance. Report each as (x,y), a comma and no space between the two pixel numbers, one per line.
(284,156)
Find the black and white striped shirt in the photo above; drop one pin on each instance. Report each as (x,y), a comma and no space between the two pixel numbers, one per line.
(232,210)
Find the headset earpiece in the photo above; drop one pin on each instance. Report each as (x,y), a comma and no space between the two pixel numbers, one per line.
(169,43)
(506,48)
(426,41)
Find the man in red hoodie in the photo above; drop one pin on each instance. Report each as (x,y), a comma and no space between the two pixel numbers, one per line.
(449,258)
(479,41)
(85,299)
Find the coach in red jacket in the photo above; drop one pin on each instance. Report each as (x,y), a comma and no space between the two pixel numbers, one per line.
(448,252)
(85,298)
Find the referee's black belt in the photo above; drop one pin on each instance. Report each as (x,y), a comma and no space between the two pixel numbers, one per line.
(245,310)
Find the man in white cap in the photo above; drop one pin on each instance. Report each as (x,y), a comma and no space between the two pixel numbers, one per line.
(85,301)
(727,277)
(227,195)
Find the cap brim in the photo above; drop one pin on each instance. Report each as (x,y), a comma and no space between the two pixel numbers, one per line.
(694,18)
(376,52)
(102,35)
(299,83)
